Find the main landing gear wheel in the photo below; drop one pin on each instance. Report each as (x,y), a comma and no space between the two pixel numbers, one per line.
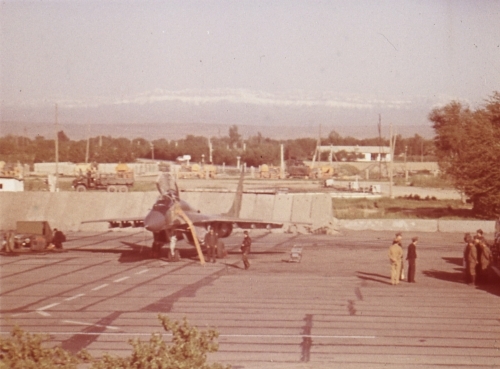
(156,250)
(174,258)
(221,250)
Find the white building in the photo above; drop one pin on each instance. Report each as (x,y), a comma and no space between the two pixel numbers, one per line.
(11,184)
(370,153)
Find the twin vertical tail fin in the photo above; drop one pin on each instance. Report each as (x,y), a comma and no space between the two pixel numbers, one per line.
(236,207)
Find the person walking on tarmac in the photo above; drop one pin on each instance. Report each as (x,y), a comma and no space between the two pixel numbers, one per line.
(211,242)
(245,249)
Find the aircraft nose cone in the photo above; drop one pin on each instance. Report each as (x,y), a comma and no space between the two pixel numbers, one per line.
(154,221)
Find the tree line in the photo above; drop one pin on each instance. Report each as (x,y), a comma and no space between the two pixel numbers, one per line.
(254,151)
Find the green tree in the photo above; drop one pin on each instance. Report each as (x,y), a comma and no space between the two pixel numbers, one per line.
(467,147)
(234,136)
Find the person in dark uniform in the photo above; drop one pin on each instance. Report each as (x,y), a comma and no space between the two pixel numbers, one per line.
(211,242)
(477,242)
(245,249)
(486,259)
(411,256)
(58,239)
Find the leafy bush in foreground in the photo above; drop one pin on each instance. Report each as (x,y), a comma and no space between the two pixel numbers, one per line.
(23,350)
(188,349)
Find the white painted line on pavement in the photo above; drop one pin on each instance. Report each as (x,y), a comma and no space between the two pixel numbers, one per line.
(99,287)
(221,335)
(74,297)
(120,279)
(48,306)
(89,324)
(96,334)
(20,314)
(295,336)
(142,271)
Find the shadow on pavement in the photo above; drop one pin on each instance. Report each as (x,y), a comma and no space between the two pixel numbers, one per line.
(454,261)
(492,286)
(374,275)
(369,277)
(457,277)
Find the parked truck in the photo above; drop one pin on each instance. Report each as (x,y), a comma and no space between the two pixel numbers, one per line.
(297,169)
(114,182)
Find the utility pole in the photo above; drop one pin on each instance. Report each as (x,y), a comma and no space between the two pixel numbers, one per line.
(406,169)
(392,140)
(210,150)
(88,145)
(57,151)
(317,151)
(379,126)
(282,162)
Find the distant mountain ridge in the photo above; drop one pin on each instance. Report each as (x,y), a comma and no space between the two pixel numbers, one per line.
(174,131)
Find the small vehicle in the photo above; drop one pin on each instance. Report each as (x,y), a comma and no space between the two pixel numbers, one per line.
(35,235)
(119,182)
(297,169)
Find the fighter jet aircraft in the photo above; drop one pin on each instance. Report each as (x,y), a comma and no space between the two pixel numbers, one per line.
(173,219)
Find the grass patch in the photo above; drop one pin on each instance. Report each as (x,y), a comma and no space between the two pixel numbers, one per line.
(401,208)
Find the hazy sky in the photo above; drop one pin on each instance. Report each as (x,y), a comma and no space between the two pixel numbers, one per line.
(245,62)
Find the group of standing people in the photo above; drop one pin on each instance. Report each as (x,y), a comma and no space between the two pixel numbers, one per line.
(396,256)
(477,258)
(211,241)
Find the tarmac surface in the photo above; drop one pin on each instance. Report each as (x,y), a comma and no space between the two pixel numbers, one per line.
(334,309)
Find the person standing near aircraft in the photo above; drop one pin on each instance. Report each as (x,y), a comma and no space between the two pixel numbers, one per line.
(211,242)
(9,241)
(165,182)
(245,249)
(58,239)
(411,256)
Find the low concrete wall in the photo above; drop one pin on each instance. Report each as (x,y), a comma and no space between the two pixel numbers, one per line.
(418,225)
(66,210)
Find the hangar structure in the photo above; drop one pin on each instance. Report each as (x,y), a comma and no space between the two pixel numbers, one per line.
(370,153)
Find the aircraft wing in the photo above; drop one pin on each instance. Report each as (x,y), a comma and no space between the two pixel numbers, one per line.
(120,222)
(199,219)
